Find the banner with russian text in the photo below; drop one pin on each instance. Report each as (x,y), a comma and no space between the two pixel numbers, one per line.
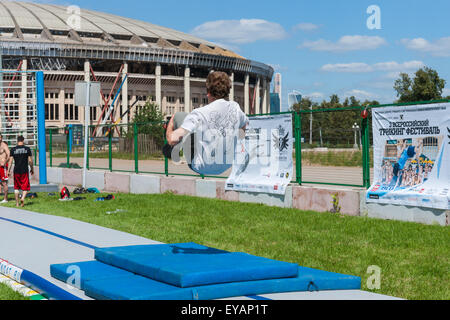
(264,159)
(412,156)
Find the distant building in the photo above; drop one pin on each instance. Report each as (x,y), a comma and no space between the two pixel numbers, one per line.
(154,63)
(275,103)
(278,86)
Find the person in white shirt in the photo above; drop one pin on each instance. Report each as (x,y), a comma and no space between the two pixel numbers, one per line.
(208,135)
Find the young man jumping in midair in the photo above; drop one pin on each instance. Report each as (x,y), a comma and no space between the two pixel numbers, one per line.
(22,157)
(212,129)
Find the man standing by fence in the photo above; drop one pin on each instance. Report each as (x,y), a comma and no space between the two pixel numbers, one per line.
(4,159)
(23,158)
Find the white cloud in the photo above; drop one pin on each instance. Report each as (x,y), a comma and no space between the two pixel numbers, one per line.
(353,67)
(346,43)
(360,67)
(306,26)
(438,48)
(240,31)
(446,92)
(315,95)
(360,94)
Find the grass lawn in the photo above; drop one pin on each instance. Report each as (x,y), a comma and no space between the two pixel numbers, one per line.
(414,258)
(6,293)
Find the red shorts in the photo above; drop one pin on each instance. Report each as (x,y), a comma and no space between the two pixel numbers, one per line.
(4,173)
(22,182)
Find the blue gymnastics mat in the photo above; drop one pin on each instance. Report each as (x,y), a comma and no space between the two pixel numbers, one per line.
(188,265)
(101,282)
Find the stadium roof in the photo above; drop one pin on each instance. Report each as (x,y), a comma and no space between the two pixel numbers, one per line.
(56,24)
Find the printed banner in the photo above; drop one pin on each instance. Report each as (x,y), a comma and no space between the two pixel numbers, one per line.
(412,156)
(263,160)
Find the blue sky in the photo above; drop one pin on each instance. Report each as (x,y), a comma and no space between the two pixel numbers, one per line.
(319,47)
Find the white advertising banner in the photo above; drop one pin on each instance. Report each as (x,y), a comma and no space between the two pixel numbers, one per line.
(263,161)
(412,156)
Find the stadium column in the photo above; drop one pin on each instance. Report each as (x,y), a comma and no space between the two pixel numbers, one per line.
(187,89)
(158,86)
(247,94)
(267,89)
(232,87)
(125,92)
(23,116)
(258,96)
(264,101)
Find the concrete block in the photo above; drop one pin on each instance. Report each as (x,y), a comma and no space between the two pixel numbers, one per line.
(95,179)
(225,195)
(72,177)
(321,199)
(206,188)
(117,182)
(283,201)
(179,185)
(407,213)
(55,175)
(145,184)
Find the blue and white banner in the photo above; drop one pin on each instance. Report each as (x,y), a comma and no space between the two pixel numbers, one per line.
(412,156)
(264,159)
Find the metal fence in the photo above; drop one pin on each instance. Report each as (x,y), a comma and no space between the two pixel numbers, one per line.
(139,149)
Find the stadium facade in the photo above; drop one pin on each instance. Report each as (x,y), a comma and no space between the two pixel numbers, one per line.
(155,63)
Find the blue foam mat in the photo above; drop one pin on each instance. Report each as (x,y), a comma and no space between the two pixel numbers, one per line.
(89,270)
(140,288)
(103,282)
(188,265)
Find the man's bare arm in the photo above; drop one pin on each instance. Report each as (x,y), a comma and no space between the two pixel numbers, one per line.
(30,163)
(174,137)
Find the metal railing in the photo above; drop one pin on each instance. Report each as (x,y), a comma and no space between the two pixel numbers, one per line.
(139,150)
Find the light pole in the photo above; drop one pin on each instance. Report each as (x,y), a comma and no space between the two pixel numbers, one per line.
(356,130)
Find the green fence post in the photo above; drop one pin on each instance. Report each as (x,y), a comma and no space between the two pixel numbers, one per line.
(68,150)
(298,147)
(50,147)
(110,148)
(166,161)
(366,152)
(136,150)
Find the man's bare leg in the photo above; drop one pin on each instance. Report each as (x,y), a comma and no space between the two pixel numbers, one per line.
(17,195)
(24,196)
(5,190)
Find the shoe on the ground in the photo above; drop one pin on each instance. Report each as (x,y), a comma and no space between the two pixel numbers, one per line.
(4,201)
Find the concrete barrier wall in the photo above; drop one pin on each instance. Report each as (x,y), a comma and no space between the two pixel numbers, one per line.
(307,198)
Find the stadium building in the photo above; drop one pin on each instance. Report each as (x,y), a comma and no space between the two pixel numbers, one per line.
(159,64)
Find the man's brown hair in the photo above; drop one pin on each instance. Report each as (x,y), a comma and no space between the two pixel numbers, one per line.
(218,85)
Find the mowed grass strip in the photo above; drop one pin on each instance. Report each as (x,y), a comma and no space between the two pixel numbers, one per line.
(414,258)
(6,293)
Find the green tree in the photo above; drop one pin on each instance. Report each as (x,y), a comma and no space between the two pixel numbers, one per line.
(149,120)
(426,86)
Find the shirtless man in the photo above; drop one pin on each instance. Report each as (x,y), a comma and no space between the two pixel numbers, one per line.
(4,159)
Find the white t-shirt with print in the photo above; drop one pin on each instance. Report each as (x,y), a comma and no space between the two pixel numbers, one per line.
(216,127)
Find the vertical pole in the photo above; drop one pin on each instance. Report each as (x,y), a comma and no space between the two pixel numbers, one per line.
(166,161)
(87,121)
(110,148)
(298,147)
(68,149)
(50,148)
(136,146)
(41,127)
(87,141)
(366,153)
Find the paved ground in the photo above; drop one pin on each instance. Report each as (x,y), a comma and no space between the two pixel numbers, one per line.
(344,175)
(34,241)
